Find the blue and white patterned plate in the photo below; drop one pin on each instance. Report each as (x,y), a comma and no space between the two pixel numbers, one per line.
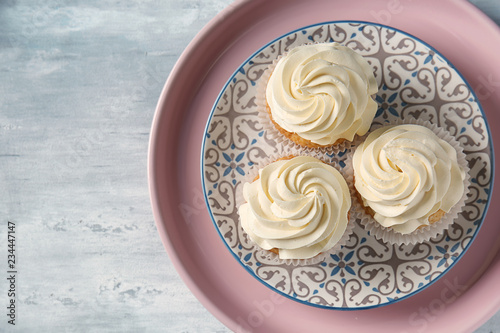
(415,82)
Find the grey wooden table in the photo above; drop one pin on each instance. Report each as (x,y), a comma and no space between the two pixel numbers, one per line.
(79,81)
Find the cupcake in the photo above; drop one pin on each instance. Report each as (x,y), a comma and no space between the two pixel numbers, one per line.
(297,207)
(408,179)
(319,95)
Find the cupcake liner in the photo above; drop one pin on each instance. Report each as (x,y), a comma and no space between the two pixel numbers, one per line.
(273,132)
(272,258)
(424,233)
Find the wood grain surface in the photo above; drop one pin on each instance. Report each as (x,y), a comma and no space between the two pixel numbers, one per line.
(79,82)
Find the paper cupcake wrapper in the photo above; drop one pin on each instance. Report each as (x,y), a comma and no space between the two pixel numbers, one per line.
(424,233)
(273,258)
(273,132)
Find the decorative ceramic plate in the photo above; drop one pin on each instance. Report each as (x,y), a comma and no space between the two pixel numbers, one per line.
(415,82)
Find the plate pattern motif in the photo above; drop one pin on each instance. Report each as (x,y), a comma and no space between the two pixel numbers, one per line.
(415,82)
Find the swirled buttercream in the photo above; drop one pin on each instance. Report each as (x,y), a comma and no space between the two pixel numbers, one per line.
(298,206)
(407,176)
(322,92)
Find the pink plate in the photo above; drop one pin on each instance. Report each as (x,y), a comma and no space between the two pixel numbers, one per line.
(461,301)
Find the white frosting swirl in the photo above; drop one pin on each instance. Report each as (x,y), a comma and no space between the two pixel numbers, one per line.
(405,174)
(322,93)
(298,206)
